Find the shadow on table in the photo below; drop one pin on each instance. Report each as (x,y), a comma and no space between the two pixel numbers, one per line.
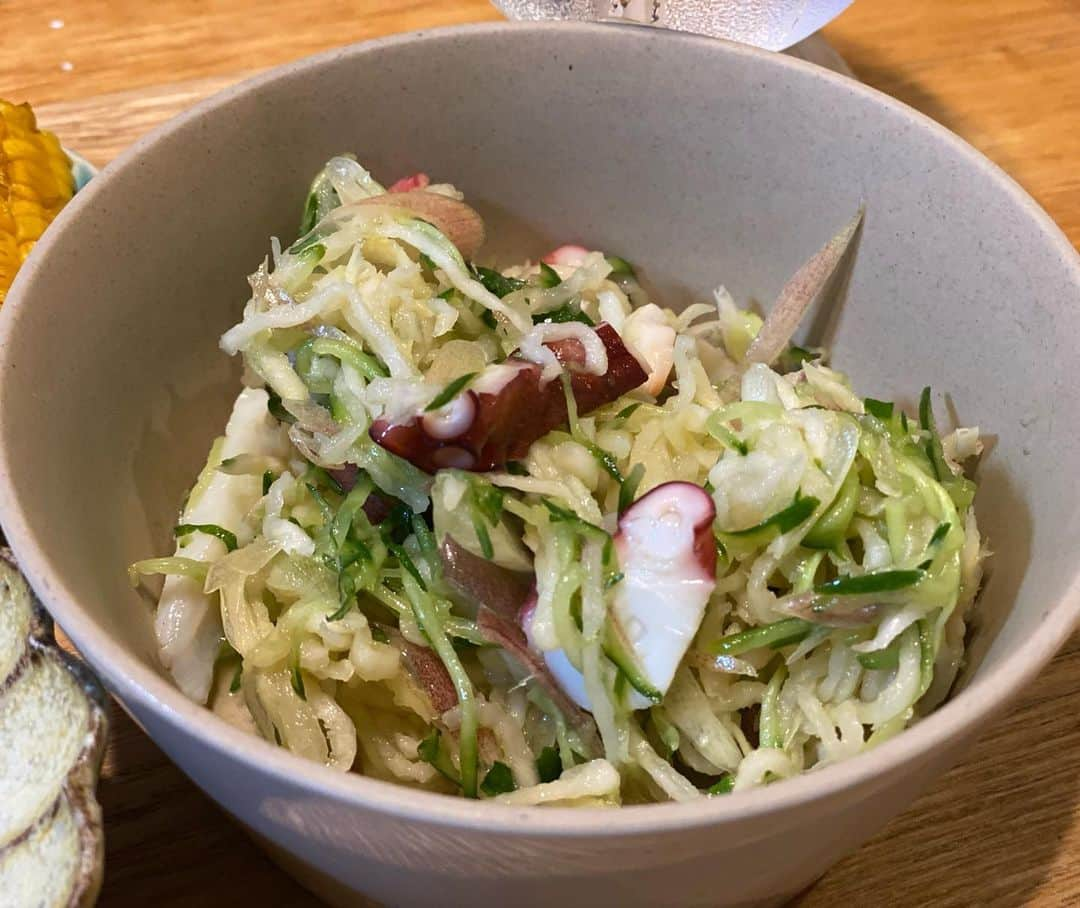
(168,845)
(993,831)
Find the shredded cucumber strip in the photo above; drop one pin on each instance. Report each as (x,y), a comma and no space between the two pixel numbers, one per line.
(612,716)
(427,618)
(186,567)
(429,240)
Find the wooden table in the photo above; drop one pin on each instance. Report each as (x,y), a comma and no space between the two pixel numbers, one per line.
(1004,828)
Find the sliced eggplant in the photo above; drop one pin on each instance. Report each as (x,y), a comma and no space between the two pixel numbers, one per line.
(52,736)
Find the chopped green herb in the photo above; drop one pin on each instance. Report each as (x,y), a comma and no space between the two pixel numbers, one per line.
(484,538)
(610,564)
(430,751)
(725,786)
(496,283)
(549,765)
(396,526)
(627,411)
(726,437)
(560,514)
(889,657)
(273,405)
(451,391)
(611,579)
(211,529)
(879,409)
(549,277)
(320,477)
(353,550)
(961,490)
(237,679)
(310,215)
(620,265)
(426,261)
(267,481)
(516,468)
(489,500)
(939,534)
(875,582)
(305,242)
(297,677)
(926,409)
(313,254)
(721,549)
(568,312)
(792,359)
(330,481)
(934,452)
(407,563)
(629,487)
(346,593)
(350,546)
(665,731)
(225,652)
(605,458)
(424,537)
(499,780)
(400,519)
(320,499)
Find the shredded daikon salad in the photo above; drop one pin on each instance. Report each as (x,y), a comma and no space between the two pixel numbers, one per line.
(527,535)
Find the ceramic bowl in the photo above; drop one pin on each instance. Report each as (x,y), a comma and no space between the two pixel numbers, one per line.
(703,162)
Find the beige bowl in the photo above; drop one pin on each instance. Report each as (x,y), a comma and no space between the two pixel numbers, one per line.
(702,161)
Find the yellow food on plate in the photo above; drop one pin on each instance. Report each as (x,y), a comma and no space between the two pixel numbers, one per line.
(35,183)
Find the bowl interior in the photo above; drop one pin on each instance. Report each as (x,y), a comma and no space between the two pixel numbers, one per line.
(702,163)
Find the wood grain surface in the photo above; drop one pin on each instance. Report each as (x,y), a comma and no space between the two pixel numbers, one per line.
(1003,828)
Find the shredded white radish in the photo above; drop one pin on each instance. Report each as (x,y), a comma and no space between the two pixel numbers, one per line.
(591,782)
(532,348)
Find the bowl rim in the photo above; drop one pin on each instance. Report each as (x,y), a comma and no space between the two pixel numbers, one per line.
(137,683)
